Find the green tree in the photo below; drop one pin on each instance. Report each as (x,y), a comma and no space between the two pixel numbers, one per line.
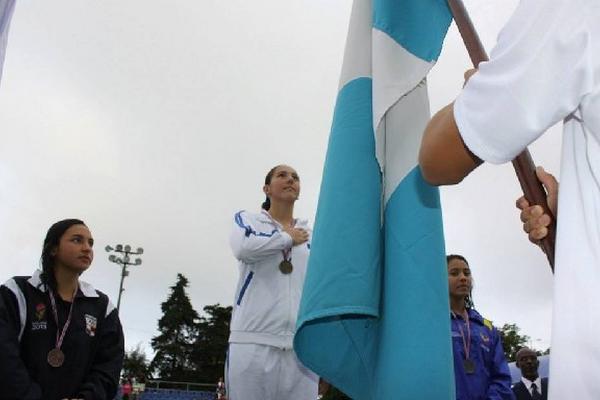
(178,332)
(546,352)
(512,341)
(135,364)
(211,344)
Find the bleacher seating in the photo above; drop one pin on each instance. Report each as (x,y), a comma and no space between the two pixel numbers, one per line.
(175,394)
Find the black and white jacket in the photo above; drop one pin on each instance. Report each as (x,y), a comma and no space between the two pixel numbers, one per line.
(93,345)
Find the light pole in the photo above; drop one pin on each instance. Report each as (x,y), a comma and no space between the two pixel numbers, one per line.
(124,261)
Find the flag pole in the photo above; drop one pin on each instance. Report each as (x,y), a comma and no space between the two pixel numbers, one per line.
(523,164)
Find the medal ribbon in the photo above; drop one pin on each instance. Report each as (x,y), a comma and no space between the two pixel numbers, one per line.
(287,254)
(467,344)
(60,335)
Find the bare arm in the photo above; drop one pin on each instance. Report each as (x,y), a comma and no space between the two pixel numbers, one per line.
(444,158)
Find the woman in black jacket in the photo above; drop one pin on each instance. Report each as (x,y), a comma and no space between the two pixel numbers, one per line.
(59,337)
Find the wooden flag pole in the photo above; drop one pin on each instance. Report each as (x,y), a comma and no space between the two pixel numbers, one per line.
(523,164)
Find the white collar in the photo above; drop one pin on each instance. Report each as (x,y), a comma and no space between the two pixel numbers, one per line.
(36,281)
(527,383)
(266,217)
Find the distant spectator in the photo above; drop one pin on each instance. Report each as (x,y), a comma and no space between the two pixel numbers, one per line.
(139,385)
(220,392)
(126,389)
(531,386)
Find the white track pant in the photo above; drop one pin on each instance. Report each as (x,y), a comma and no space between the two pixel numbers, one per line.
(259,372)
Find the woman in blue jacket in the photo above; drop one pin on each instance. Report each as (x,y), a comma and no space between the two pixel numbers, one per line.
(480,369)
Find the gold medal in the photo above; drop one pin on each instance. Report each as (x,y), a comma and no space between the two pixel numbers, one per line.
(56,358)
(286,267)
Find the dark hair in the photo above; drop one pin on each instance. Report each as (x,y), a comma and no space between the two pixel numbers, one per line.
(469,299)
(523,350)
(451,257)
(56,231)
(267,203)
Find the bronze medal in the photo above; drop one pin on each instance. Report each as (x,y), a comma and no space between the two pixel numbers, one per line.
(56,358)
(286,267)
(469,366)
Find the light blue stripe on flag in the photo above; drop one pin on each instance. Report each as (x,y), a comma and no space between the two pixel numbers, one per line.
(347,242)
(374,316)
(415,345)
(7,8)
(417,25)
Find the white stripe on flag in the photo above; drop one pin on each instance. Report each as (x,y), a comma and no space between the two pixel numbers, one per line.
(357,55)
(404,125)
(7,8)
(396,72)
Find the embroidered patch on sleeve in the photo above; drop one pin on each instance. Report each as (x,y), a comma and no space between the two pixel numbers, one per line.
(90,325)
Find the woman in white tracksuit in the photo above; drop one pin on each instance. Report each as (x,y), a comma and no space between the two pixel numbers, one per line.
(272,248)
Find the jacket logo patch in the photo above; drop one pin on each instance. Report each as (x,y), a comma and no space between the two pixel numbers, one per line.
(40,311)
(90,325)
(40,318)
(484,337)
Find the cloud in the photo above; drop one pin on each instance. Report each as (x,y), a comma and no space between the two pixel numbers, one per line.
(155,124)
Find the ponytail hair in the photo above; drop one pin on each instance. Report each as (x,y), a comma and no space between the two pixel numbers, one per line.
(266,205)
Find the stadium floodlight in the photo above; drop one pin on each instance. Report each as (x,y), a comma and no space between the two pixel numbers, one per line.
(124,261)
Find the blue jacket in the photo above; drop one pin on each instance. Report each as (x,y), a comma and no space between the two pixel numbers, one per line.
(491,379)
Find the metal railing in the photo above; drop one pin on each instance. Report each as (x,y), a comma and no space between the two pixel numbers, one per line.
(158,384)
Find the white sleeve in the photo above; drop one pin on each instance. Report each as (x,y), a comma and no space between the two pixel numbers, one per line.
(251,245)
(537,75)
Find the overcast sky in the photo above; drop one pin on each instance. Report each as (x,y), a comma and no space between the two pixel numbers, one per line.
(155,121)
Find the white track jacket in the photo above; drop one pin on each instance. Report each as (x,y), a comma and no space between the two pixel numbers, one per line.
(266,300)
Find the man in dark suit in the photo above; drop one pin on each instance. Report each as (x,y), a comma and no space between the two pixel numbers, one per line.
(531,387)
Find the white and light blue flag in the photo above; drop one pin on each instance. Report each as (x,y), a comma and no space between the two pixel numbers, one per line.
(374,317)
(7,8)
